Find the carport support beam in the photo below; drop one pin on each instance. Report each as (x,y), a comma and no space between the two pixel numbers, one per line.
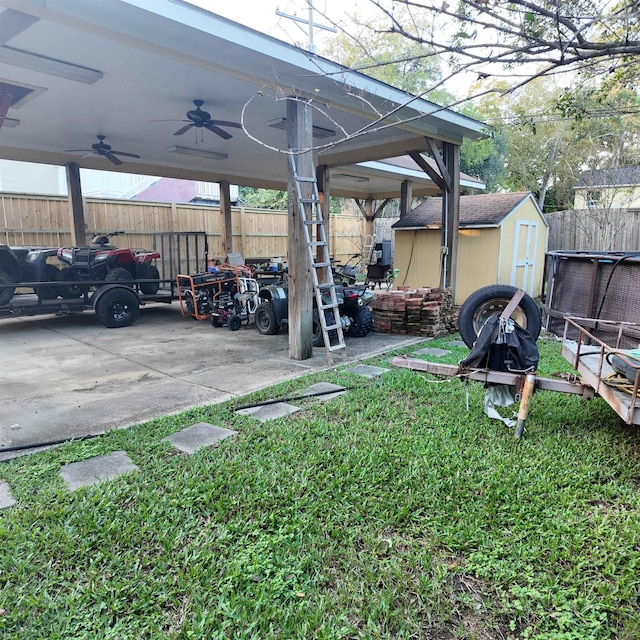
(225,210)
(74,188)
(299,123)
(322,176)
(450,214)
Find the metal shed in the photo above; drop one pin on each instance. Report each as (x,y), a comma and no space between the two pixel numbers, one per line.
(502,240)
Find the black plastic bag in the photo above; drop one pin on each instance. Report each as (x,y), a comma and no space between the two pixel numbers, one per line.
(503,346)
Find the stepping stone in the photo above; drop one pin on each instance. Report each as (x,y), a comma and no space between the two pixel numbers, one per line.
(198,435)
(326,389)
(92,470)
(457,343)
(433,351)
(367,371)
(6,499)
(269,411)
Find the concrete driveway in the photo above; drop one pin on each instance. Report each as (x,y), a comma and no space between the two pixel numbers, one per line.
(68,376)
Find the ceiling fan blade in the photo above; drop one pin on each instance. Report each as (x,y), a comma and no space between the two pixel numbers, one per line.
(171,120)
(124,153)
(78,150)
(220,132)
(179,132)
(111,157)
(225,123)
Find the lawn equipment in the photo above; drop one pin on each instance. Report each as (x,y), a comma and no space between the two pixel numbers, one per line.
(355,315)
(102,261)
(228,296)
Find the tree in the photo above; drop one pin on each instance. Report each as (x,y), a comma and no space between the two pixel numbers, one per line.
(522,39)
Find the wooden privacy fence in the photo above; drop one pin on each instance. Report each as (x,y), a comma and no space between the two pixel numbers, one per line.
(45,220)
(582,230)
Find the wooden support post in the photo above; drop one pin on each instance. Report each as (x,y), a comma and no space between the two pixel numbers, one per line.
(225,210)
(369,217)
(76,206)
(450,214)
(300,142)
(406,195)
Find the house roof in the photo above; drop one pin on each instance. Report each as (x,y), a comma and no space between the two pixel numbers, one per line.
(485,210)
(131,69)
(628,176)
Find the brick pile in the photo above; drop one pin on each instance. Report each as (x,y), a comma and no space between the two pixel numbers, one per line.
(427,311)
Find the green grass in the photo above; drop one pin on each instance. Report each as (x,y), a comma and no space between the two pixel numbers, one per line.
(391,512)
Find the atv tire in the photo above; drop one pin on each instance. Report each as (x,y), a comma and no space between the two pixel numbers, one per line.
(148,271)
(117,307)
(491,301)
(119,274)
(266,320)
(318,340)
(66,290)
(48,291)
(362,323)
(6,294)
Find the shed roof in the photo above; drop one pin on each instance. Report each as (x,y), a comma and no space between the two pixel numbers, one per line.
(485,210)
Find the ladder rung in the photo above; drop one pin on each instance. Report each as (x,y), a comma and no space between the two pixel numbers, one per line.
(317,243)
(335,347)
(305,179)
(314,222)
(325,285)
(333,305)
(310,200)
(321,264)
(331,327)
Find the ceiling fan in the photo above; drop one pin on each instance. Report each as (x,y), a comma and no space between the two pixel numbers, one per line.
(101,148)
(202,119)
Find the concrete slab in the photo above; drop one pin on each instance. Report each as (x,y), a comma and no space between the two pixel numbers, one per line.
(367,371)
(6,499)
(433,351)
(68,376)
(98,469)
(325,388)
(201,434)
(269,411)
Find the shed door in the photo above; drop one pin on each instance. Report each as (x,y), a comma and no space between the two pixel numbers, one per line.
(524,256)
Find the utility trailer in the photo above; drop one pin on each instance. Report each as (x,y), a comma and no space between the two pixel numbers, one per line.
(603,369)
(115,304)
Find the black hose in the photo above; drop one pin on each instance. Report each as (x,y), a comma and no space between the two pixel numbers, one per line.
(291,398)
(50,443)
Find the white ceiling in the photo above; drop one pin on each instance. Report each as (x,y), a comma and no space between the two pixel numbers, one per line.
(151,58)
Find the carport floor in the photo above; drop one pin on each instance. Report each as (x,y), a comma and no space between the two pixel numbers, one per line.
(67,377)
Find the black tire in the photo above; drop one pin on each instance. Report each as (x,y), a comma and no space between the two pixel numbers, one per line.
(234,322)
(491,301)
(361,325)
(148,271)
(117,307)
(119,274)
(6,294)
(48,291)
(215,321)
(66,290)
(266,319)
(318,340)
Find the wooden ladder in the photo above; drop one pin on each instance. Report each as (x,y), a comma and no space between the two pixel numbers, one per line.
(313,220)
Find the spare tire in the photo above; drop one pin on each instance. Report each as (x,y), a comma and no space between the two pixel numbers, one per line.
(491,301)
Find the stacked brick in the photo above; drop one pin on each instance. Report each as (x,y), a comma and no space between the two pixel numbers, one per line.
(427,312)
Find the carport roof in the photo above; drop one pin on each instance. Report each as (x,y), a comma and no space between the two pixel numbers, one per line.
(130,70)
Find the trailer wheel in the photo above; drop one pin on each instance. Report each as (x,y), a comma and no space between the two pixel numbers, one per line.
(234,322)
(117,307)
(361,323)
(491,301)
(266,319)
(148,271)
(6,294)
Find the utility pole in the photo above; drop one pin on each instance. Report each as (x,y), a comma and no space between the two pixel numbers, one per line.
(310,22)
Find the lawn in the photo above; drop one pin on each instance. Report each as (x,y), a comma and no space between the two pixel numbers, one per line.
(390,512)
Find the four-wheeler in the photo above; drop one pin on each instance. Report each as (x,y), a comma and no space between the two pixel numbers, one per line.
(355,315)
(26,264)
(101,261)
